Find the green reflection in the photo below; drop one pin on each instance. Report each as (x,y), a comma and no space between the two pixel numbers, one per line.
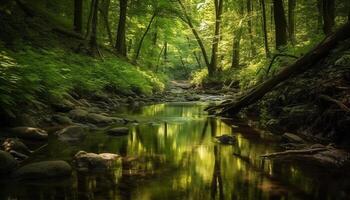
(171,154)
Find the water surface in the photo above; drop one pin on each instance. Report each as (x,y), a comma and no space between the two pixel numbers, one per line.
(171,154)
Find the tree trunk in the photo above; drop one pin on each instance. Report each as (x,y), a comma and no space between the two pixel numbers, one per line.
(188,21)
(320,15)
(104,10)
(121,39)
(78,16)
(165,51)
(250,28)
(291,20)
(144,35)
(88,23)
(266,41)
(280,24)
(301,65)
(215,46)
(328,16)
(93,38)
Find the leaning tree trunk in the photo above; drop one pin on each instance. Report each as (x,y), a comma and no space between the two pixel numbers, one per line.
(301,65)
(280,24)
(138,50)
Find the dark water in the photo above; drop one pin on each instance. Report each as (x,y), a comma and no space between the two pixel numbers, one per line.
(171,155)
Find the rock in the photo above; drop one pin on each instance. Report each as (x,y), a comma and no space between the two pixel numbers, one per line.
(63,106)
(130,100)
(61,119)
(292,138)
(44,170)
(120,131)
(8,163)
(72,133)
(226,139)
(192,98)
(95,162)
(13,144)
(29,133)
(316,146)
(99,119)
(78,114)
(332,157)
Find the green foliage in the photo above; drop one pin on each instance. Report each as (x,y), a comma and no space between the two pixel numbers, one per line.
(33,76)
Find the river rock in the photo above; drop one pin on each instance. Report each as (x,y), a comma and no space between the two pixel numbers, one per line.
(78,114)
(14,144)
(192,98)
(44,170)
(95,162)
(119,131)
(29,133)
(226,139)
(61,119)
(72,133)
(332,156)
(8,163)
(99,119)
(292,138)
(63,106)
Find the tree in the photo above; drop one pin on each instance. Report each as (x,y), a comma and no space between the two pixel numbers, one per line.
(266,41)
(280,24)
(291,20)
(93,38)
(328,16)
(78,16)
(121,39)
(138,50)
(212,64)
(215,46)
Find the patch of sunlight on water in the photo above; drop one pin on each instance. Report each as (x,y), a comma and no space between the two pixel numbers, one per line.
(171,154)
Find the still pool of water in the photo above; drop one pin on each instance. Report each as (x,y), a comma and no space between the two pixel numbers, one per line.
(171,154)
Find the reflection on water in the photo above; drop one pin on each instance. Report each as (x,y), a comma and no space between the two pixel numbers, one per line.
(171,154)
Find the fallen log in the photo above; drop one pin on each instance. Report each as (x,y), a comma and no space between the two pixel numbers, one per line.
(294,152)
(301,65)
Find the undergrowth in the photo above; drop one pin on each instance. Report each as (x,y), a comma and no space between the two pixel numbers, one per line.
(33,76)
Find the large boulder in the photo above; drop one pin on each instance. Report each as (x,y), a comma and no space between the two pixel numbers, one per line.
(72,133)
(44,170)
(95,162)
(119,131)
(8,163)
(29,133)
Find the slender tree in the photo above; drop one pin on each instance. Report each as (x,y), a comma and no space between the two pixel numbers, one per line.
(280,24)
(264,25)
(78,16)
(328,16)
(93,37)
(121,39)
(138,50)
(104,11)
(215,47)
(291,20)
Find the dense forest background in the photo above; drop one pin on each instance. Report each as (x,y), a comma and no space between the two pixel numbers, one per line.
(50,48)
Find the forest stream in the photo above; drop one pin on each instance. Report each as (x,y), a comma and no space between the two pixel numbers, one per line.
(170,153)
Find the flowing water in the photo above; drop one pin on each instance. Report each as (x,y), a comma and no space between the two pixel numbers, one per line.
(171,154)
